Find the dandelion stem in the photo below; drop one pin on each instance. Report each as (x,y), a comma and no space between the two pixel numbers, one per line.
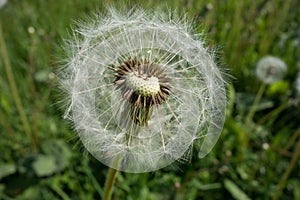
(254,105)
(14,89)
(109,183)
(292,139)
(273,114)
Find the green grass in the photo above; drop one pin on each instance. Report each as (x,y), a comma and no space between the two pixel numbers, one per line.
(41,157)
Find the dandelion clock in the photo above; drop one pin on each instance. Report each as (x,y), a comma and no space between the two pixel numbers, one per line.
(143,90)
(270,69)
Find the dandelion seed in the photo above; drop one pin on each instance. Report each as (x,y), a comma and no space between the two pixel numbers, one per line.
(270,69)
(143,91)
(297,84)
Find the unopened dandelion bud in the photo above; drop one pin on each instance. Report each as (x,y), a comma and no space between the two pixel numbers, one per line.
(143,90)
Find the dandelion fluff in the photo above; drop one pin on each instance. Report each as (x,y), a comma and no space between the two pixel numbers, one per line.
(143,91)
(2,3)
(297,84)
(270,69)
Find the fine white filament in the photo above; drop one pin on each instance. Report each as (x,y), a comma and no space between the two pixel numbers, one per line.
(192,116)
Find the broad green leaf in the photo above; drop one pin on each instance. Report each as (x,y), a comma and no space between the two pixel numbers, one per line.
(6,170)
(44,165)
(59,150)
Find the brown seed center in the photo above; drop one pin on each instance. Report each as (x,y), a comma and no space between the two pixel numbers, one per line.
(143,85)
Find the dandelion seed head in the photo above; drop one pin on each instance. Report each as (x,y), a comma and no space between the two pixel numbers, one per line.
(270,69)
(143,90)
(2,3)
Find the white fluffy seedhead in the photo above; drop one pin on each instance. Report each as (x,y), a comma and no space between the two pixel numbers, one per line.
(2,3)
(143,90)
(270,69)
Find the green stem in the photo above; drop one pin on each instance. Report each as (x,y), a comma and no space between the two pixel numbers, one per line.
(14,89)
(60,192)
(273,114)
(287,172)
(292,139)
(109,183)
(34,130)
(254,105)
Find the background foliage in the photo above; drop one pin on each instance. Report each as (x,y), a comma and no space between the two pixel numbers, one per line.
(258,158)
